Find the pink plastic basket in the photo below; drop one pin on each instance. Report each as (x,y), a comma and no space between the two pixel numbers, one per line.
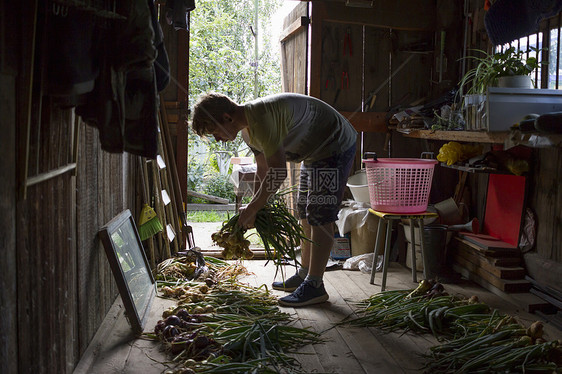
(399,185)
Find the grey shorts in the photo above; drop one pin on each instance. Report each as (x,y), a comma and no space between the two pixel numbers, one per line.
(321,187)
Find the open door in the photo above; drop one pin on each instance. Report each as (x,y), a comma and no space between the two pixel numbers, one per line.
(294,66)
(294,50)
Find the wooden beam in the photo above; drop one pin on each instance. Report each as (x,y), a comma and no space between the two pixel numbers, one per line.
(182,99)
(414,15)
(50,174)
(216,199)
(175,105)
(459,136)
(367,121)
(191,207)
(293,28)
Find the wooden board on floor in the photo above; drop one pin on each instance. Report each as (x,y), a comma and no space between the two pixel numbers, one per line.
(116,349)
(351,349)
(486,247)
(346,350)
(507,259)
(505,285)
(391,348)
(502,272)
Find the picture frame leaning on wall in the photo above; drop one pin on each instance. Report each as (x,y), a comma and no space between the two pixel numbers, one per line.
(130,268)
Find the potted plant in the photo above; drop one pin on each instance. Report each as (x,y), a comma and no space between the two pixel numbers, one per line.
(492,70)
(509,68)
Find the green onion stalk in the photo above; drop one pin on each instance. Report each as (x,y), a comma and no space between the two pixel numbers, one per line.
(475,338)
(279,230)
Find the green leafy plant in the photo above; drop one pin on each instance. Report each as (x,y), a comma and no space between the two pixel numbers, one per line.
(195,177)
(219,185)
(490,67)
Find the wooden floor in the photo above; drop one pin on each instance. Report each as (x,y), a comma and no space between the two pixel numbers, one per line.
(347,350)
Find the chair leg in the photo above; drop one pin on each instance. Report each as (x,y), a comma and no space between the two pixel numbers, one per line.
(386,253)
(414,261)
(379,235)
(423,253)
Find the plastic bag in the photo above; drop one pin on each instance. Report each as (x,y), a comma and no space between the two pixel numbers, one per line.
(363,263)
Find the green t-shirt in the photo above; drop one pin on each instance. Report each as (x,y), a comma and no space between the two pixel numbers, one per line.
(308,128)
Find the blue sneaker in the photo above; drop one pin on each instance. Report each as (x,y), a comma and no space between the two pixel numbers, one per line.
(306,294)
(290,284)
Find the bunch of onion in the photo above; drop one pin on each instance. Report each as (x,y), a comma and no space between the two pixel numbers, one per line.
(280,232)
(175,268)
(231,238)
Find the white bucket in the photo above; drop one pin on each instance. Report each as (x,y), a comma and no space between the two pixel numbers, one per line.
(357,183)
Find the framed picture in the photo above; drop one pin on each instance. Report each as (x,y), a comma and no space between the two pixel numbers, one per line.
(130,267)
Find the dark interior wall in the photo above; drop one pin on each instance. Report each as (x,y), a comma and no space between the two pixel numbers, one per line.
(46,280)
(9,50)
(64,284)
(104,187)
(55,282)
(395,57)
(544,261)
(545,197)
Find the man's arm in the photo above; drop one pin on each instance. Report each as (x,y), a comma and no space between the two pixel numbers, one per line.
(274,171)
(261,171)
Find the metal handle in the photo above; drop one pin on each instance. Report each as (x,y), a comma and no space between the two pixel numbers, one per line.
(372,155)
(427,155)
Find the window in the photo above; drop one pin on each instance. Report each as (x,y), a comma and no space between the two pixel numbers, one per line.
(549,74)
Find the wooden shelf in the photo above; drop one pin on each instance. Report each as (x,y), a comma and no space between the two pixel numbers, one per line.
(536,140)
(470,169)
(459,136)
(533,140)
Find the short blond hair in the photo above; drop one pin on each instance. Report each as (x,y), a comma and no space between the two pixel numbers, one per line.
(209,110)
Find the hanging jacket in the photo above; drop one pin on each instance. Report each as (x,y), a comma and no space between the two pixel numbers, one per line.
(162,63)
(124,103)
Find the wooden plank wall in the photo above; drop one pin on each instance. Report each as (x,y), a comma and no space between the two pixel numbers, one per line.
(9,53)
(294,54)
(46,263)
(65,285)
(104,189)
(546,200)
(341,79)
(544,262)
(365,47)
(55,282)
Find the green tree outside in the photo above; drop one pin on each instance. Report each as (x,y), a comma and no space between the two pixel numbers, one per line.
(222,59)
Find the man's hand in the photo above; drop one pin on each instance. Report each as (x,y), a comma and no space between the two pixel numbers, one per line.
(272,171)
(247,216)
